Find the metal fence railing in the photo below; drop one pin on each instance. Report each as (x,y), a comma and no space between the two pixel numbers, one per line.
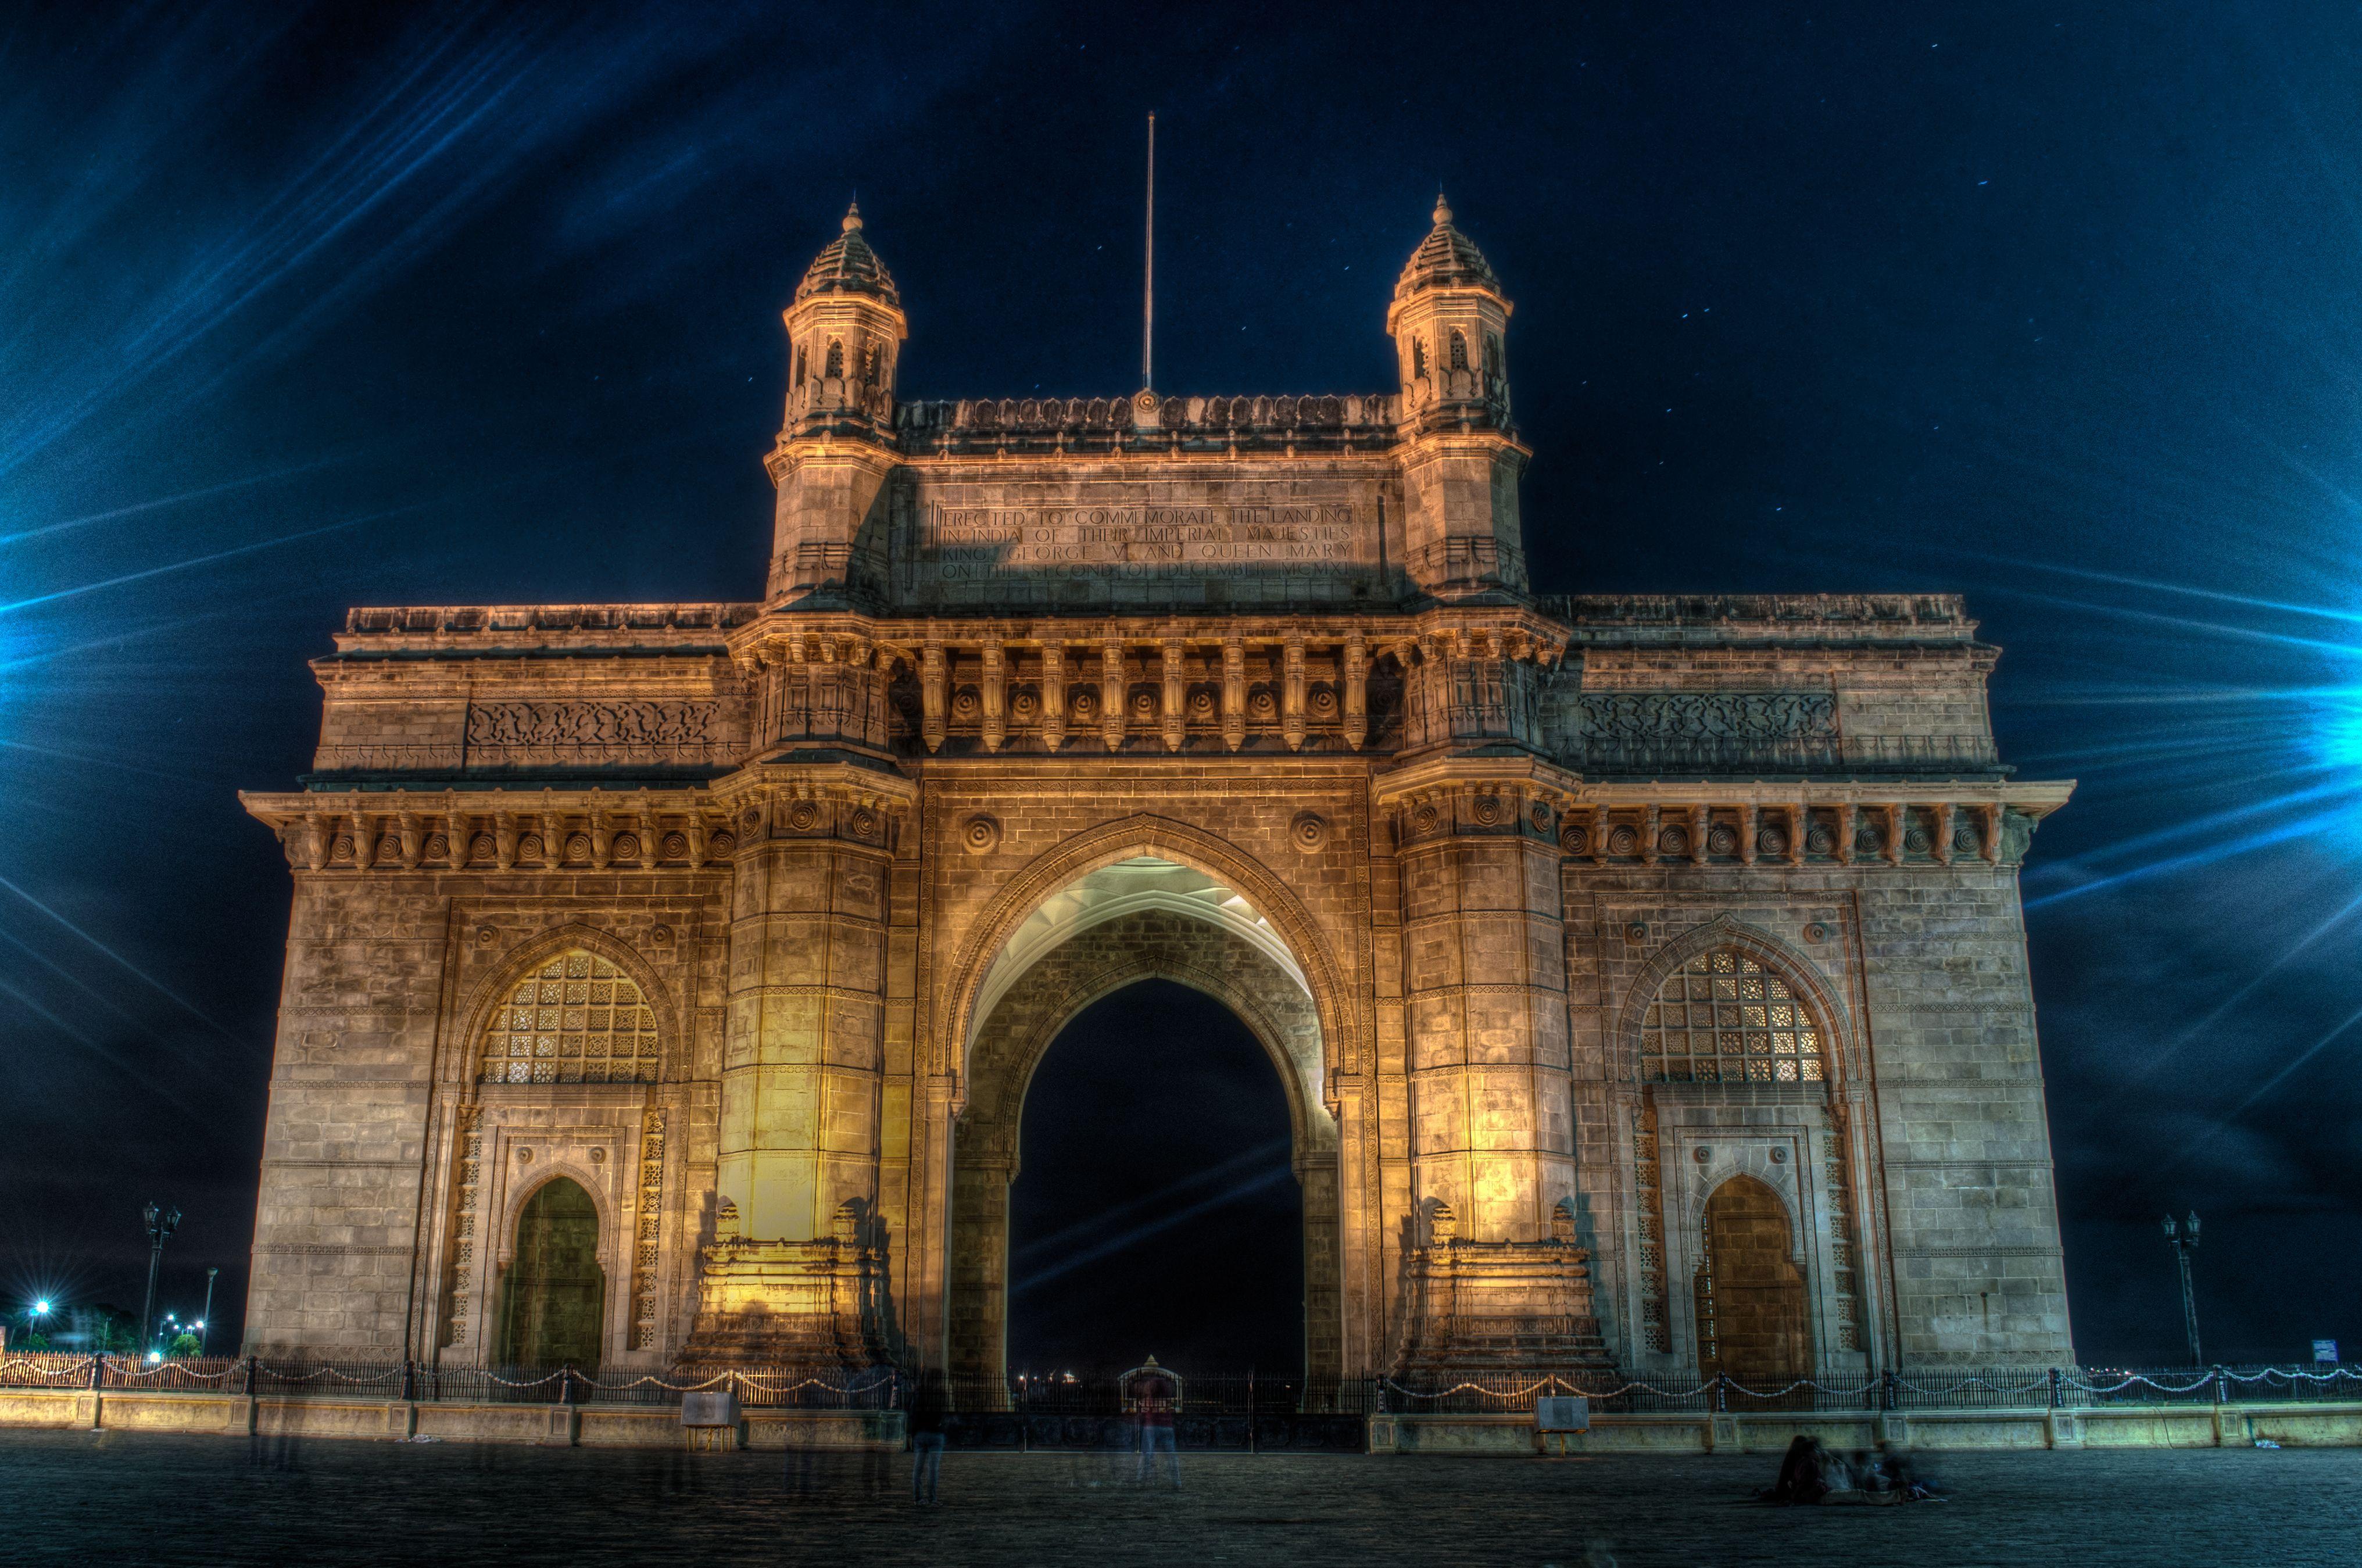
(1248,1396)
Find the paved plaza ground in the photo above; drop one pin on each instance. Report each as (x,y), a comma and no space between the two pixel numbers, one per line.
(122,1499)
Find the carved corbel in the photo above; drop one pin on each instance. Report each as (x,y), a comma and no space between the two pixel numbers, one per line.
(1357,691)
(1848,824)
(1112,694)
(603,840)
(1599,835)
(1800,825)
(504,841)
(1989,833)
(931,719)
(647,833)
(553,841)
(1649,836)
(1943,837)
(1053,694)
(364,843)
(1749,820)
(1890,846)
(1701,829)
(1291,692)
(693,829)
(414,840)
(1174,711)
(1234,692)
(995,693)
(317,840)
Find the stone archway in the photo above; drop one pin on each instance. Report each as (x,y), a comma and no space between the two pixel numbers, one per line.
(553,1297)
(1142,938)
(1750,1294)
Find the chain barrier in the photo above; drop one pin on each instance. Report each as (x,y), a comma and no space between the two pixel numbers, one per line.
(2056,1387)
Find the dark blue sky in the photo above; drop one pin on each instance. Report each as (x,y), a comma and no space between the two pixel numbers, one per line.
(2058,307)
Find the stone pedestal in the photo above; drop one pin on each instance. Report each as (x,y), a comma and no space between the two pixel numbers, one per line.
(819,1304)
(1479,1305)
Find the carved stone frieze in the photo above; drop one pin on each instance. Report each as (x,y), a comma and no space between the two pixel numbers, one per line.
(618,730)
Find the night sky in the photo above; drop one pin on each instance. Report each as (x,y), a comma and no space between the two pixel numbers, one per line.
(2055,306)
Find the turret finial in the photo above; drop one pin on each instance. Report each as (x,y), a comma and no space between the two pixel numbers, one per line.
(853,217)
(1442,208)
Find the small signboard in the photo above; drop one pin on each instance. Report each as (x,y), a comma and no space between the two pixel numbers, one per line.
(2326,1351)
(1563,1413)
(710,1407)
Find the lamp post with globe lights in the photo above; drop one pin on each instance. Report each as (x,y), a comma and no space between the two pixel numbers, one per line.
(161,1223)
(2183,1240)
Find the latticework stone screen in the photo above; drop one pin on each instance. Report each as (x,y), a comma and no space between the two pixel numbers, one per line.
(577,1018)
(1724,1018)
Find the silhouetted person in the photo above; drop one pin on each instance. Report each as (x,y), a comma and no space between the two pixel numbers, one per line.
(1154,1395)
(930,1403)
(1802,1474)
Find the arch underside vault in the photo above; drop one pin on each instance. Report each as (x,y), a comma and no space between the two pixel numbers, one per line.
(1114,935)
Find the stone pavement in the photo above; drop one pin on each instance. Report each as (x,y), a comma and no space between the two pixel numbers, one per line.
(122,1499)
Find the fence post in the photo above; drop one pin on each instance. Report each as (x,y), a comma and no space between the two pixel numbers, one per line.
(98,1369)
(1722,1391)
(1252,1447)
(253,1366)
(2222,1385)
(2054,1389)
(565,1384)
(1887,1388)
(409,1381)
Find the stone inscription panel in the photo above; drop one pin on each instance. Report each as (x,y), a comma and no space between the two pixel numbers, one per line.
(1169,542)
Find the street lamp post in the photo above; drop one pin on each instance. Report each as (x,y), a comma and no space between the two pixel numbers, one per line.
(203,1333)
(2183,1240)
(161,1223)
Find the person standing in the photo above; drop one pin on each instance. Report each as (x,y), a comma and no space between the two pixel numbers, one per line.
(923,1420)
(1154,1397)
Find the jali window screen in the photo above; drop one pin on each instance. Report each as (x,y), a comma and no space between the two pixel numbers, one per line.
(577,1018)
(1724,1018)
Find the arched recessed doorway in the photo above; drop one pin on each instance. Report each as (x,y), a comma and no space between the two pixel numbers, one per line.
(1750,1292)
(1140,919)
(1155,1211)
(552,1295)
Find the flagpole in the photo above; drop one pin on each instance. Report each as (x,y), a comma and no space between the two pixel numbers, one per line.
(1148,291)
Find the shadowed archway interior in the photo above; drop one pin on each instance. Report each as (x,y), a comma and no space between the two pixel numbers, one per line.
(552,1295)
(1157,1211)
(1750,1294)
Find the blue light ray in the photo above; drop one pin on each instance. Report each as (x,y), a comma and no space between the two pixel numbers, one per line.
(2148,1067)
(1140,1233)
(207,559)
(179,1000)
(183,498)
(1100,1221)
(104,1001)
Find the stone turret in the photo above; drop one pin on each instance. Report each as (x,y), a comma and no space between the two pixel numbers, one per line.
(1461,460)
(844,335)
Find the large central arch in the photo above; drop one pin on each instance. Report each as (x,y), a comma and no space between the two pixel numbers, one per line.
(1140,917)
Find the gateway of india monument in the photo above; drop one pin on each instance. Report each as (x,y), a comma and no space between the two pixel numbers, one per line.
(1646,974)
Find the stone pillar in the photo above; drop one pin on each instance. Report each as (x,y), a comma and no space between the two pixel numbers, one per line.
(794,1275)
(1496,1277)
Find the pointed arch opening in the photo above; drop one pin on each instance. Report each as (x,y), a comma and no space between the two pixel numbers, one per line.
(552,1307)
(1751,1300)
(1135,919)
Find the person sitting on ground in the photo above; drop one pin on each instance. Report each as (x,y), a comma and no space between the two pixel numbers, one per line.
(1801,1478)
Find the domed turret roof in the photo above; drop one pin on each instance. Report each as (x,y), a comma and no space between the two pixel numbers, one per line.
(849,267)
(1446,258)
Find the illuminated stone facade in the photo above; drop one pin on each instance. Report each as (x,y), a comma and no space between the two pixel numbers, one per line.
(1646,974)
